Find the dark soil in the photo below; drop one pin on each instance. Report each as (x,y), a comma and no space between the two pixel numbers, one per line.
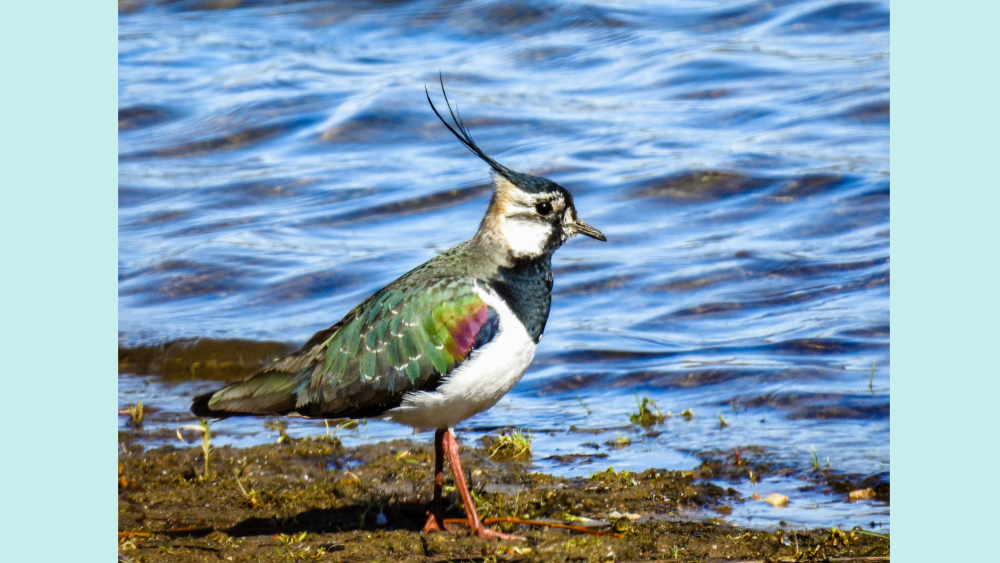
(313,500)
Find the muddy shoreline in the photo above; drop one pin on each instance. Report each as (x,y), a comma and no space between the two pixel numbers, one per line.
(312,499)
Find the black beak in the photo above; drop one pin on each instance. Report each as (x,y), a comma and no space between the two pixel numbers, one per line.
(579,226)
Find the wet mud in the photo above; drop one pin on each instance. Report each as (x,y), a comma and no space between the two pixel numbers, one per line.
(201,358)
(311,499)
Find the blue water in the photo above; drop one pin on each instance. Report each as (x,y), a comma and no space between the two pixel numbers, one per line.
(278,163)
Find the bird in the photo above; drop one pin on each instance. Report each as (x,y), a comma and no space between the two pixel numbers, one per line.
(440,344)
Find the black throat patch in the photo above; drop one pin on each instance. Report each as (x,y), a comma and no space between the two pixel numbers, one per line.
(526,286)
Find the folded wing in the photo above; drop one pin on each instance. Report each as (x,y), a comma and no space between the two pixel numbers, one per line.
(406,337)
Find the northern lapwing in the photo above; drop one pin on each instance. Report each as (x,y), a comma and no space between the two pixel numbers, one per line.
(443,342)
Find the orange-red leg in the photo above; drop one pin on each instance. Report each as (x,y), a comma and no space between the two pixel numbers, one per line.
(450,446)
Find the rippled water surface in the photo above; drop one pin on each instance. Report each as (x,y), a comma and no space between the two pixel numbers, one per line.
(279,162)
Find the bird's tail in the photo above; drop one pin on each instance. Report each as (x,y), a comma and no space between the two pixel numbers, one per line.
(266,392)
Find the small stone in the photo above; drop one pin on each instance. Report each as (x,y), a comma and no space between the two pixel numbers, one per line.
(776,500)
(861,494)
(626,515)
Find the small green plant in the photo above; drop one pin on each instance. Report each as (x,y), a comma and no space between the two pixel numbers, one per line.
(620,441)
(646,417)
(839,538)
(584,405)
(135,414)
(252,496)
(514,445)
(289,553)
(584,542)
(815,459)
(339,424)
(722,421)
(206,446)
(486,505)
(343,424)
(688,414)
(812,554)
(281,427)
(206,442)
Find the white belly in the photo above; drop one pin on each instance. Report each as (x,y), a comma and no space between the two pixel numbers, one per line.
(477,384)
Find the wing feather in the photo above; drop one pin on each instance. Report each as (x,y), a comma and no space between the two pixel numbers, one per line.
(405,338)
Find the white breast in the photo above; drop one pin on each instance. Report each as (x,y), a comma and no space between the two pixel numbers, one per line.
(476,385)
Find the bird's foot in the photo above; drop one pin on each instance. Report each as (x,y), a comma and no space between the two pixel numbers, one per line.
(435,523)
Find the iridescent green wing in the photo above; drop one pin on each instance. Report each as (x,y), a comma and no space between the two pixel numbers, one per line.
(404,338)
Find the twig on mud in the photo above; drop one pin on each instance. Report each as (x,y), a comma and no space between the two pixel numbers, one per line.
(514,520)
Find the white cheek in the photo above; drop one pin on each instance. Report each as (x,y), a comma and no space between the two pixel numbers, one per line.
(525,238)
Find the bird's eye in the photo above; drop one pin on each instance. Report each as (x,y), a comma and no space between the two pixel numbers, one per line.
(543,208)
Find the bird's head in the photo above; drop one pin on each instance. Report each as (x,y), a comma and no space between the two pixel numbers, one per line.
(531,216)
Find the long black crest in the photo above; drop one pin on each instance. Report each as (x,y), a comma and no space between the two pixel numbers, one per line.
(463,133)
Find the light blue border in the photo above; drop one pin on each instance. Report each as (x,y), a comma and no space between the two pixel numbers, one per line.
(59,313)
(944,304)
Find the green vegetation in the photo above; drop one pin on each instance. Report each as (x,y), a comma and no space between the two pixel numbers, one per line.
(206,443)
(722,421)
(281,427)
(288,553)
(515,445)
(135,414)
(646,417)
(620,441)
